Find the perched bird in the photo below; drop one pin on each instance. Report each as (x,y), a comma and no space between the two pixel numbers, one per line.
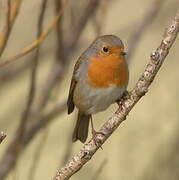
(100,78)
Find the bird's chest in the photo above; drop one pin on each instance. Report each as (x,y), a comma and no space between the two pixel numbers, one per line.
(111,70)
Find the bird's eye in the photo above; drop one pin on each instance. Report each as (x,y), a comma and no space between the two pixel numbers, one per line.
(105,49)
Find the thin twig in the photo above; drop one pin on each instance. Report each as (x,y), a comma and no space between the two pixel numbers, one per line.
(16,144)
(40,120)
(60,56)
(57,71)
(33,76)
(32,90)
(37,42)
(12,12)
(145,80)
(9,158)
(9,74)
(8,16)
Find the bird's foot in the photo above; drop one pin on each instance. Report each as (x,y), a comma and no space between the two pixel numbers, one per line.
(125,96)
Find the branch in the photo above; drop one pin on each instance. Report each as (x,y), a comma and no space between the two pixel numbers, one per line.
(42,122)
(156,60)
(16,144)
(31,96)
(12,12)
(33,88)
(8,159)
(39,119)
(37,42)
(57,72)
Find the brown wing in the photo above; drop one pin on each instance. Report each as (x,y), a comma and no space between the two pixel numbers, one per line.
(70,103)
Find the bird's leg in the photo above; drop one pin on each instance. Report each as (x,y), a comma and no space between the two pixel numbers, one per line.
(94,133)
(92,127)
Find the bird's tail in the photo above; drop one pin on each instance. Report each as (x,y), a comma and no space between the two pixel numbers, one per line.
(81,128)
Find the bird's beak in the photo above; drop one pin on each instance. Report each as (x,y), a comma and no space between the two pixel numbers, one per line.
(118,50)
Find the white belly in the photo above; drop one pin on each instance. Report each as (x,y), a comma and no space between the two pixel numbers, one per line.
(93,100)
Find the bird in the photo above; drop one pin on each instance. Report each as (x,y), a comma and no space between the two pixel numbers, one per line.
(100,78)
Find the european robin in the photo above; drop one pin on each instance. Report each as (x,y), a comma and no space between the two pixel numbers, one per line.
(100,78)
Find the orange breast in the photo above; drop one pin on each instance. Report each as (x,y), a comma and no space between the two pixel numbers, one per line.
(108,70)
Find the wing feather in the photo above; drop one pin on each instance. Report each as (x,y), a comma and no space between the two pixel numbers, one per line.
(74,81)
(70,103)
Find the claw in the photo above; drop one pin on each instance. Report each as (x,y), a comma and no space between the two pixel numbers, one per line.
(125,96)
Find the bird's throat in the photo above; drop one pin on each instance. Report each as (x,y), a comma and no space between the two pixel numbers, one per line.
(108,70)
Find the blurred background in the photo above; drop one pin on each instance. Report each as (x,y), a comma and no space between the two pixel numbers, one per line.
(34,89)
